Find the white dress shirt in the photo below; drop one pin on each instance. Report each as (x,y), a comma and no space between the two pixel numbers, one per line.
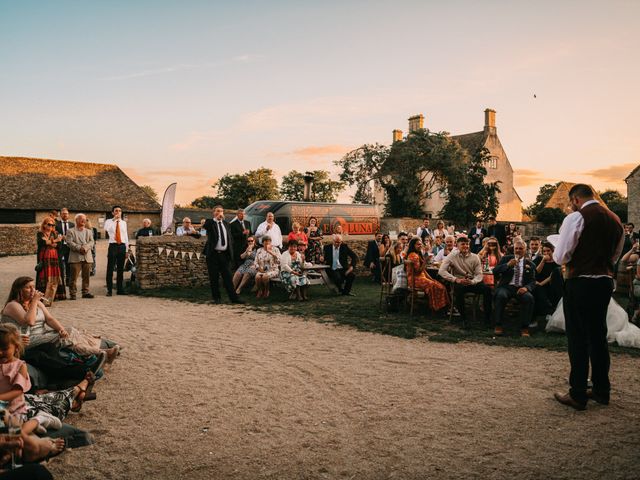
(518,272)
(336,258)
(274,233)
(570,232)
(440,256)
(181,231)
(217,224)
(110,228)
(421,229)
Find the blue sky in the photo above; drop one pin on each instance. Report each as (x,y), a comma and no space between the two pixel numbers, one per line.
(188,91)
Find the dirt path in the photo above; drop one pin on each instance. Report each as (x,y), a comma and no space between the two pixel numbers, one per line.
(205,392)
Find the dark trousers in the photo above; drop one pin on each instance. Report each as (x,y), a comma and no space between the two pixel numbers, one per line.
(506,292)
(342,280)
(585,304)
(376,272)
(115,259)
(219,264)
(31,471)
(475,248)
(478,288)
(63,260)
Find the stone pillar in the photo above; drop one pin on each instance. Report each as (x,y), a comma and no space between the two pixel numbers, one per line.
(416,123)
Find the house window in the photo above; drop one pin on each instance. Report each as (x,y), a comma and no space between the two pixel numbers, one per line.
(17,216)
(492,162)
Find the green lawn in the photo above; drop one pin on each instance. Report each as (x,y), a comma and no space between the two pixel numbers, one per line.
(363,312)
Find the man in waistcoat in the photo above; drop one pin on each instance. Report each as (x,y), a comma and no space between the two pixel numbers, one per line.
(591,239)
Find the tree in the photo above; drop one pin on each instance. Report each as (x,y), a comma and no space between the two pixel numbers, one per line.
(149,190)
(237,191)
(550,216)
(616,202)
(206,202)
(323,189)
(544,194)
(422,165)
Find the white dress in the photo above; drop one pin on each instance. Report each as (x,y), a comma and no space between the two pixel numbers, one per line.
(618,327)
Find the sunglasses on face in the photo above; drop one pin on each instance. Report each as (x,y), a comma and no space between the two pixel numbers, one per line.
(50,225)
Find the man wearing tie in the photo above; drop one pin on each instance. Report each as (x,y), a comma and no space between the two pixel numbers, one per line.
(240,231)
(116,230)
(62,227)
(517,280)
(219,253)
(338,256)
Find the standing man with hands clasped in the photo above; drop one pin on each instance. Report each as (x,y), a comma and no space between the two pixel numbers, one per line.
(116,229)
(219,253)
(81,242)
(590,242)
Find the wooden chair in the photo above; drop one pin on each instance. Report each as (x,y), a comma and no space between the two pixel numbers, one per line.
(386,284)
(415,294)
(475,302)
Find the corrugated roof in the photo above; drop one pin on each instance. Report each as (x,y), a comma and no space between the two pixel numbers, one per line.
(43,184)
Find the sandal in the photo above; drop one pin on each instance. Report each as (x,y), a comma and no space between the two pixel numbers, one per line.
(84,392)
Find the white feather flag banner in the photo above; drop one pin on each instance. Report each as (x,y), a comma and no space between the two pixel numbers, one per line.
(168,206)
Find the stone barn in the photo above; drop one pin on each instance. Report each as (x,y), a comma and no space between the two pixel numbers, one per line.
(31,187)
(633,196)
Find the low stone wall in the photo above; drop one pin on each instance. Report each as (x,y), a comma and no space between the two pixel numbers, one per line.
(159,267)
(18,239)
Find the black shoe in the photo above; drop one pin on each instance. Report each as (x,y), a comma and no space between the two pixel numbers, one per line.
(122,292)
(238,301)
(87,295)
(348,294)
(216,301)
(109,294)
(72,297)
(591,395)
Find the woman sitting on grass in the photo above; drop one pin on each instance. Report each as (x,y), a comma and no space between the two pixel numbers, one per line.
(420,279)
(292,274)
(25,310)
(267,266)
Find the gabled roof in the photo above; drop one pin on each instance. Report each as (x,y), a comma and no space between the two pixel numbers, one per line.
(471,141)
(560,198)
(42,184)
(633,172)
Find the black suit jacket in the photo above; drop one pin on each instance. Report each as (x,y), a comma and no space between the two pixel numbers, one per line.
(212,238)
(373,253)
(506,273)
(345,254)
(64,248)
(239,238)
(499,232)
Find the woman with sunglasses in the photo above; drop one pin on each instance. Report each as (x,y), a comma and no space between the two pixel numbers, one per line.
(48,266)
(490,256)
(246,272)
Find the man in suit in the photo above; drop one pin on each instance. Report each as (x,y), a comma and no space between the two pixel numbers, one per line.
(117,232)
(62,227)
(372,258)
(424,231)
(517,280)
(81,242)
(591,239)
(219,253)
(240,231)
(337,256)
(496,231)
(476,234)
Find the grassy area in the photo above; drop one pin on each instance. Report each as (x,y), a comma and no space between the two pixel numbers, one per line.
(363,312)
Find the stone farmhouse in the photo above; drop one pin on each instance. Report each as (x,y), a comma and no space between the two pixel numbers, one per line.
(633,196)
(498,168)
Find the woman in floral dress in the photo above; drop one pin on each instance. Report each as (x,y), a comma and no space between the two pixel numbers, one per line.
(314,242)
(435,291)
(291,272)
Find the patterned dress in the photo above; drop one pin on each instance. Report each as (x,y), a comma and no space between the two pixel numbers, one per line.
(435,291)
(288,265)
(248,266)
(48,256)
(314,247)
(267,262)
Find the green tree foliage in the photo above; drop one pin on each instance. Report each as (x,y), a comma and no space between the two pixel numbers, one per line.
(206,202)
(414,169)
(544,194)
(323,190)
(149,190)
(550,216)
(616,202)
(240,190)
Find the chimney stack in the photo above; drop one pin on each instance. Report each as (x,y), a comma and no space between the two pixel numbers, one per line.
(397,135)
(308,184)
(490,120)
(416,123)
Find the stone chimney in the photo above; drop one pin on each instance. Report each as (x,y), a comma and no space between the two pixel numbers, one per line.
(397,135)
(308,184)
(490,120)
(416,123)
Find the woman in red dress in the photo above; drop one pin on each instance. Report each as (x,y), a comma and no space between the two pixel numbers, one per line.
(435,291)
(48,262)
(490,255)
(297,233)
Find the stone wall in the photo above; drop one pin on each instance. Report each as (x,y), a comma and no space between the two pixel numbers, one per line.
(158,269)
(633,198)
(18,239)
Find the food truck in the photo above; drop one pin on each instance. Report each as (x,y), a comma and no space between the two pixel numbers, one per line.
(356,219)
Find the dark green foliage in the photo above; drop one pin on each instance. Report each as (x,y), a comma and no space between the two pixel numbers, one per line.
(323,190)
(616,202)
(544,194)
(207,202)
(240,190)
(550,216)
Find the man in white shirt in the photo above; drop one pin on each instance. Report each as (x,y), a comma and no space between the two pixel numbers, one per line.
(270,227)
(116,230)
(591,240)
(424,231)
(187,229)
(449,247)
(535,249)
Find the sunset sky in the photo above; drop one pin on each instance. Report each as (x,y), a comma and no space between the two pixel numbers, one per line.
(188,91)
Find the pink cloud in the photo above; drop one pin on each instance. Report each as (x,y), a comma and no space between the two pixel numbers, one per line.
(613,173)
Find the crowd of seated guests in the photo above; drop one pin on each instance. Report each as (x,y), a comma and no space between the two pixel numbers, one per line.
(48,370)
